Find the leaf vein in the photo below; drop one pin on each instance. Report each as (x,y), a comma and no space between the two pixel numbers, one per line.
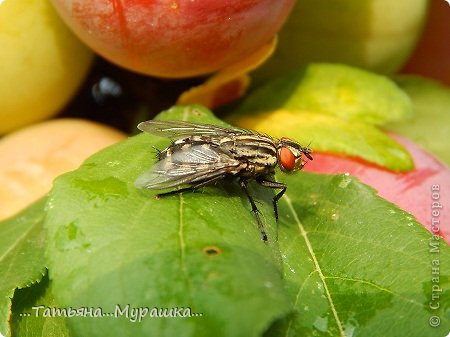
(350,279)
(16,243)
(297,298)
(304,234)
(404,251)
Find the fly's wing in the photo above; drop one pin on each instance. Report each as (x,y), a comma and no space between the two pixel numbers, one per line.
(195,165)
(181,129)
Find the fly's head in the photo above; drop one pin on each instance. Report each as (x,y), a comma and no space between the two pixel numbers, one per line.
(290,155)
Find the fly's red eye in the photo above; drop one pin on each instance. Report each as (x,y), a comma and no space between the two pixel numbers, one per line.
(287,159)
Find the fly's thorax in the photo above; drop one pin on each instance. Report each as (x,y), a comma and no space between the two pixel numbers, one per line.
(255,149)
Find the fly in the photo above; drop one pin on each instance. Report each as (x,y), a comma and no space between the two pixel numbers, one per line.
(201,154)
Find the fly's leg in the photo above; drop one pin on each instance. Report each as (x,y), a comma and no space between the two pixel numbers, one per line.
(274,185)
(255,210)
(190,188)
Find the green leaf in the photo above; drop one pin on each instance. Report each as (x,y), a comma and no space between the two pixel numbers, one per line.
(337,106)
(356,265)
(330,134)
(353,263)
(112,244)
(334,89)
(430,125)
(22,262)
(28,319)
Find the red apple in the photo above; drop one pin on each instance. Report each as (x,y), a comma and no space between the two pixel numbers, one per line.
(178,38)
(423,192)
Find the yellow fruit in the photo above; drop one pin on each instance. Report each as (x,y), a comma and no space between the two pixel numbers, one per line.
(42,63)
(32,157)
